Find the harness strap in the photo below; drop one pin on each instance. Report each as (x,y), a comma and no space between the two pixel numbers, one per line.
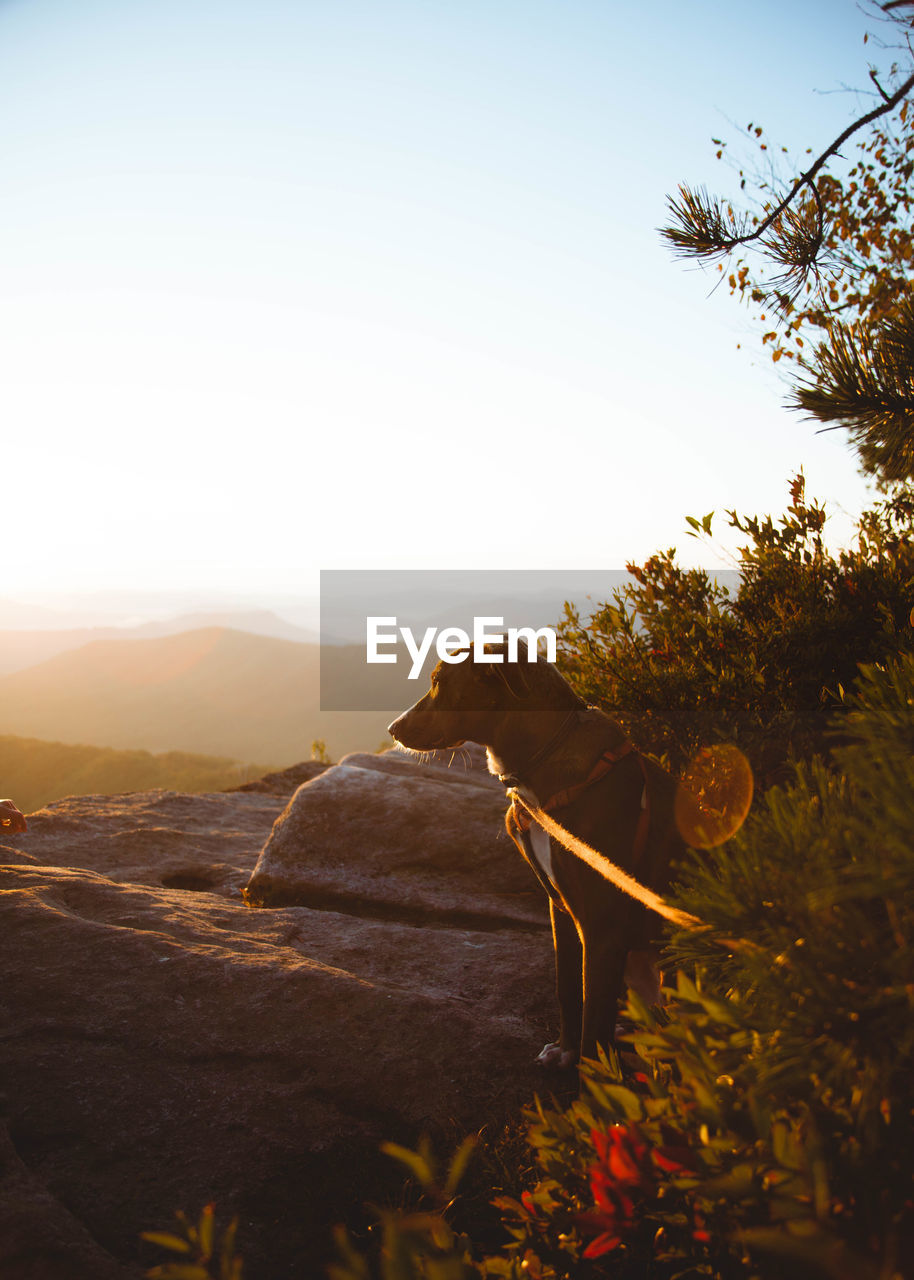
(568,795)
(600,769)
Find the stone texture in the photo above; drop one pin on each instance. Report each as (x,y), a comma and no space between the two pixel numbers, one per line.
(284,782)
(411,839)
(165,1046)
(164,838)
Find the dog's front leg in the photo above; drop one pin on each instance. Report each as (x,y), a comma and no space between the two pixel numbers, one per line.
(604,965)
(569,989)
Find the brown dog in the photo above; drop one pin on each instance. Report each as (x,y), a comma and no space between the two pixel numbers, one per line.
(558,754)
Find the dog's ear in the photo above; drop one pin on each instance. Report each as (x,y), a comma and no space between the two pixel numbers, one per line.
(514,676)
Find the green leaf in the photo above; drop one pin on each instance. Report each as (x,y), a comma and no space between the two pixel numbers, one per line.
(459,1164)
(352,1265)
(685,988)
(787,1149)
(205,1232)
(413,1160)
(166,1241)
(628,1101)
(737,1183)
(640,1010)
(230,1265)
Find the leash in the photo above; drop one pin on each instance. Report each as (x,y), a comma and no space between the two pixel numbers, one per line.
(628,884)
(608,869)
(525,814)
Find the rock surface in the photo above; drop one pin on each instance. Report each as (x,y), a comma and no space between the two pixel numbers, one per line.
(285,781)
(165,1046)
(430,839)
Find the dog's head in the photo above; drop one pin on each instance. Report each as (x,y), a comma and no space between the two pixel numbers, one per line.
(470,700)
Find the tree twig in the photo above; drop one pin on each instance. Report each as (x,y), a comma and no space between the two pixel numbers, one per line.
(875,79)
(807,178)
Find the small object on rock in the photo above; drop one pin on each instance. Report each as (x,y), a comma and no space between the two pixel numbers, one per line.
(11,818)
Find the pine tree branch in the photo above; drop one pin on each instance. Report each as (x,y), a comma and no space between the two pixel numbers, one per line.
(703,230)
(864,383)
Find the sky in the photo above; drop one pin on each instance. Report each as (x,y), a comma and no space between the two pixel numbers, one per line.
(290,285)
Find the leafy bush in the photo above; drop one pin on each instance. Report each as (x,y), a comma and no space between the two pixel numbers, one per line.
(682,664)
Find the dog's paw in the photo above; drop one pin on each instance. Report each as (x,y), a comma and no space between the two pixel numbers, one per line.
(555,1057)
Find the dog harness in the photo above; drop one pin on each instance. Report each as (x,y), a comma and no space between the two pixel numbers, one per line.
(568,795)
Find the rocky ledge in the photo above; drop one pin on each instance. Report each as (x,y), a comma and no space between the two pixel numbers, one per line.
(235,998)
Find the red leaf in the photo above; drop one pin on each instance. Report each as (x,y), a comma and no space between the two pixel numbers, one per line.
(602,1244)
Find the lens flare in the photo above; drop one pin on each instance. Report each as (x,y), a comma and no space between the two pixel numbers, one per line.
(714,796)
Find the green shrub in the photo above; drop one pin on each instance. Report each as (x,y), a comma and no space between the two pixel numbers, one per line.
(683,664)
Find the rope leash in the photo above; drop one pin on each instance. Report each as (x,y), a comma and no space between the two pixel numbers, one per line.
(623,881)
(608,869)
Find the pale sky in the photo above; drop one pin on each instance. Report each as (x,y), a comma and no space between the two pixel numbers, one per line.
(299,284)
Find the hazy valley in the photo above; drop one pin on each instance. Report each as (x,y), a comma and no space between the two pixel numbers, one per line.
(170,703)
(36,772)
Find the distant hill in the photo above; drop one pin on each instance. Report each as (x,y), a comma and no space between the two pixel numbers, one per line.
(13,613)
(212,691)
(21,648)
(33,773)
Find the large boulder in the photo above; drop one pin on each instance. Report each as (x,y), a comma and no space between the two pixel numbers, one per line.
(411,839)
(165,1046)
(284,781)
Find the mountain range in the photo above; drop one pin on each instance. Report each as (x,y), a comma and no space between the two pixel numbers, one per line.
(212,690)
(22,647)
